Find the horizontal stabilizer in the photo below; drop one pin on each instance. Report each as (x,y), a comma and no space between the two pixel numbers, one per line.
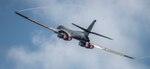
(80,27)
(87,31)
(101,35)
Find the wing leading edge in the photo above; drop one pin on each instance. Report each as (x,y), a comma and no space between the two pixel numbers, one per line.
(48,27)
(112,51)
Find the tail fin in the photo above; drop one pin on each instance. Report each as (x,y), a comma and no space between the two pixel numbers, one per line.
(90,27)
(88,30)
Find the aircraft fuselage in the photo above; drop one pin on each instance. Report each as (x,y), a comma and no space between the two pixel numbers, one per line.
(78,35)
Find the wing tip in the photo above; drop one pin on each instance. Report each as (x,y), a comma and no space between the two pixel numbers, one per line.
(129,57)
(110,38)
(16,12)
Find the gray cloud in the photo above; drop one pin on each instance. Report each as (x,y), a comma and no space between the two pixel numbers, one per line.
(116,19)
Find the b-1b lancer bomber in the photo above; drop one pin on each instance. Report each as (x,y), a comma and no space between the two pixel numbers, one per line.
(82,36)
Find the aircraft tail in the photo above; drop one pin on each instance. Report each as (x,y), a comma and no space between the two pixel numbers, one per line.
(88,30)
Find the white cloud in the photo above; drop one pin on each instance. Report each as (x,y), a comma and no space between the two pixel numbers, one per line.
(113,17)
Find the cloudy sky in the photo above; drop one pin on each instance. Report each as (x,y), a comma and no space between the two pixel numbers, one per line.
(24,45)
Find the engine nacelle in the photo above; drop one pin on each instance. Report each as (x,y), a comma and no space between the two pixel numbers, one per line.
(64,35)
(88,45)
(67,37)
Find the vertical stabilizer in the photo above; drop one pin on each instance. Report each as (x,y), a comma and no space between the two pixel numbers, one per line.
(90,28)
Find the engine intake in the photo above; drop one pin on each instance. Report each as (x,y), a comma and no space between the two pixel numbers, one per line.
(64,35)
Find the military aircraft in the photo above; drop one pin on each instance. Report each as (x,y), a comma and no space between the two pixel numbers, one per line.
(82,36)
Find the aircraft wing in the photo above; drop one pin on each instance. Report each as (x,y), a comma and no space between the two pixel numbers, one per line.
(48,27)
(112,51)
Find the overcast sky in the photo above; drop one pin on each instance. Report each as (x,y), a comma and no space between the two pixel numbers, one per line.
(24,45)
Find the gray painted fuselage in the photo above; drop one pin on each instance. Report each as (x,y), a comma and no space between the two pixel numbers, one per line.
(78,35)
